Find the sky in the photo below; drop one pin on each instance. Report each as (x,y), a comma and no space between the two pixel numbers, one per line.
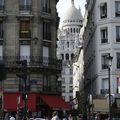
(63,5)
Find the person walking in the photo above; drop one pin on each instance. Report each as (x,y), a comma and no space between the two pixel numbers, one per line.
(55,116)
(12,118)
(70,117)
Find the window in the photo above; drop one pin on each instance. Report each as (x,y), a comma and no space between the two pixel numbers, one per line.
(25,5)
(1,52)
(46,31)
(117,33)
(46,83)
(72,56)
(117,8)
(63,89)
(62,56)
(104,35)
(71,89)
(25,29)
(67,44)
(45,55)
(118,84)
(67,56)
(103,10)
(1,4)
(25,52)
(118,60)
(71,71)
(103,60)
(104,85)
(46,6)
(63,80)
(1,29)
(71,80)
(71,98)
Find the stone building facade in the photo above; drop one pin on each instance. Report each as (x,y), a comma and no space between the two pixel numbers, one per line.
(28,31)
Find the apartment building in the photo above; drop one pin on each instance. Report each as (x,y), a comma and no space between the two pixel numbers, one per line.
(28,31)
(101,38)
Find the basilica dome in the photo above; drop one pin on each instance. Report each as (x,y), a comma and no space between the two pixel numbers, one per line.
(72,15)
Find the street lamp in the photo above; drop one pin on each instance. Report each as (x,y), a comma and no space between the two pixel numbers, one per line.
(109,64)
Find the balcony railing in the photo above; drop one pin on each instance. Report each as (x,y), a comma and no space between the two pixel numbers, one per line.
(104,66)
(47,35)
(33,61)
(117,14)
(104,40)
(104,91)
(25,34)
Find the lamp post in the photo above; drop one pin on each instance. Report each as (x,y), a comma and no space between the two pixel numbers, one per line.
(109,64)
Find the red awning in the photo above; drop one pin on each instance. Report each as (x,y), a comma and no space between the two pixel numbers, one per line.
(55,102)
(11,102)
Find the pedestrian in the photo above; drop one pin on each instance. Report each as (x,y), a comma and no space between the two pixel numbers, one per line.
(55,116)
(70,117)
(65,117)
(12,118)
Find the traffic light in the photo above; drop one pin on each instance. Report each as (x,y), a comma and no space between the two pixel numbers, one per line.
(22,74)
(2,71)
(25,96)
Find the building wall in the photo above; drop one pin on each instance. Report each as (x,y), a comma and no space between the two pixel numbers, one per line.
(11,17)
(94,49)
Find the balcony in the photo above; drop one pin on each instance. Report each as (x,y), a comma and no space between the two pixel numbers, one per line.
(104,66)
(25,34)
(47,35)
(34,63)
(104,40)
(117,14)
(118,39)
(104,91)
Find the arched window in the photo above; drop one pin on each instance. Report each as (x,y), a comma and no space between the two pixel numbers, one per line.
(72,56)
(62,56)
(77,30)
(67,44)
(67,56)
(74,30)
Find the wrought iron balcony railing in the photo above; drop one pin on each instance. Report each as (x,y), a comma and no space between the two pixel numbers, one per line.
(33,61)
(25,34)
(104,91)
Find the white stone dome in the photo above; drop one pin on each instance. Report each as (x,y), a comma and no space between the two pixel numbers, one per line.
(72,15)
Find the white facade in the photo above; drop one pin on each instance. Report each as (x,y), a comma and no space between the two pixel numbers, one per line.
(68,45)
(101,37)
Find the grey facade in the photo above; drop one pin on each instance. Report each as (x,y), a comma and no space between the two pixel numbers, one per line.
(28,32)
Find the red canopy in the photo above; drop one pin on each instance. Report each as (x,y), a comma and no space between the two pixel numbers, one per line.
(11,102)
(55,102)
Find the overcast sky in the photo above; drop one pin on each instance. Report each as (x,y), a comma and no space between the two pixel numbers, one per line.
(63,5)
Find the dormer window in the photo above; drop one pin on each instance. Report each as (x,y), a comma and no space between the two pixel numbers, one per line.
(103,10)
(117,8)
